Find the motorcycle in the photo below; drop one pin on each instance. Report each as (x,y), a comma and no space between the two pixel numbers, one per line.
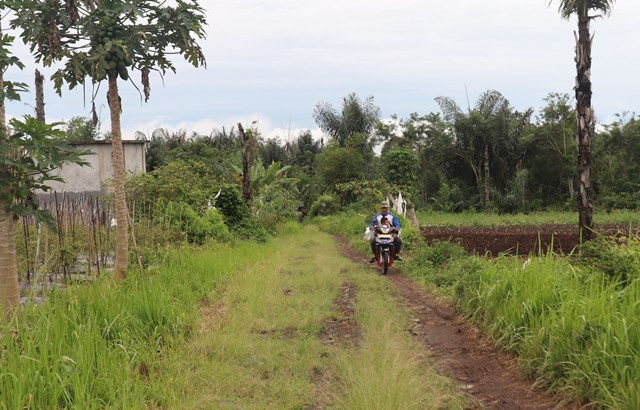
(385,249)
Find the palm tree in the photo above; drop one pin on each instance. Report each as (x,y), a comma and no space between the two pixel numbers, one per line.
(486,137)
(584,112)
(357,117)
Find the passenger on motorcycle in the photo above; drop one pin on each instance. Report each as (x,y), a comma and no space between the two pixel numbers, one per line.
(390,218)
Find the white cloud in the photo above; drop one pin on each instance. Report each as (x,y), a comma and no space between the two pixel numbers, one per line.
(275,59)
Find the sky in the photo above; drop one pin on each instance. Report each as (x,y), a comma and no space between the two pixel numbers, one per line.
(272,61)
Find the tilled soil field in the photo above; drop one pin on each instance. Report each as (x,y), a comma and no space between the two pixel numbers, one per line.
(519,239)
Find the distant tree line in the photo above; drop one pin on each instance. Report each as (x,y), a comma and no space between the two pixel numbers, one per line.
(490,157)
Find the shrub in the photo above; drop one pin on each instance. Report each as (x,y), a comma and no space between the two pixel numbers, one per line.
(216,226)
(183,219)
(433,263)
(324,205)
(618,259)
(232,205)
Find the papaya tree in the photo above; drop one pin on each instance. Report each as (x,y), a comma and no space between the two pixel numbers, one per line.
(107,40)
(584,113)
(29,151)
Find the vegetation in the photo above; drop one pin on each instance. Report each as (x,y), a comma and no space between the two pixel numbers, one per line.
(97,346)
(573,322)
(585,117)
(104,42)
(218,325)
(203,215)
(28,155)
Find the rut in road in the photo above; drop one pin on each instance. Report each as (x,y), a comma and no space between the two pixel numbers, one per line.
(457,349)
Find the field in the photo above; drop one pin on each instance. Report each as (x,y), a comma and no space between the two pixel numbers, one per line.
(521,234)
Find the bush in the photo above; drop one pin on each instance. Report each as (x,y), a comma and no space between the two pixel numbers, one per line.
(618,259)
(232,205)
(433,263)
(183,219)
(324,205)
(217,229)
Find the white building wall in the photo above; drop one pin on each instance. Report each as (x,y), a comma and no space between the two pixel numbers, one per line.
(96,177)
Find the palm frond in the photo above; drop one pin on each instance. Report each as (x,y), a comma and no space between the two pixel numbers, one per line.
(567,8)
(450,110)
(490,103)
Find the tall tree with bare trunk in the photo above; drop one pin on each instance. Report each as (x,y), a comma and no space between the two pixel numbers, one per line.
(584,113)
(106,40)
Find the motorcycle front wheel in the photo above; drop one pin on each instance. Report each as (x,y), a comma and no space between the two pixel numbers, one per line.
(385,263)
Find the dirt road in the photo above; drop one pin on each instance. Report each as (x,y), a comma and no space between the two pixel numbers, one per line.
(489,377)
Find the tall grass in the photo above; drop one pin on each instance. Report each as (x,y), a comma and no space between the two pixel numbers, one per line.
(96,346)
(574,329)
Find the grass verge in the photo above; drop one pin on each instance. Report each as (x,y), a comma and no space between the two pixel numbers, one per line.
(96,346)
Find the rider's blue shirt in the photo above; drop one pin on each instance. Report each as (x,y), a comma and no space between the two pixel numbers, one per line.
(394,221)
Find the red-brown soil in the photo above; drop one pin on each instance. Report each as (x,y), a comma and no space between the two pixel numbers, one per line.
(518,239)
(490,378)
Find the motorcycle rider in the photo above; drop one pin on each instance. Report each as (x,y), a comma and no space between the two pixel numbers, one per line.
(377,220)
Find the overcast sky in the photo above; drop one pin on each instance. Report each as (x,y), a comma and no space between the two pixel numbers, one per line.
(272,61)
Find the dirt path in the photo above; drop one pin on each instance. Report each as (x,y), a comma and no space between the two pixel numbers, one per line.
(458,349)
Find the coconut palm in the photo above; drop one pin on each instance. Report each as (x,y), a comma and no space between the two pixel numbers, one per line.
(584,112)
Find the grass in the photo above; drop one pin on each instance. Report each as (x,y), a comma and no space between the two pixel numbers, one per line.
(575,329)
(221,327)
(96,346)
(259,346)
(389,370)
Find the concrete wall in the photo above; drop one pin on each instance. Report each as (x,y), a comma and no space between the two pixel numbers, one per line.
(95,178)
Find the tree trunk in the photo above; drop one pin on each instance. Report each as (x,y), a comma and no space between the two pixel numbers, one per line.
(40,97)
(9,288)
(485,159)
(245,143)
(122,214)
(585,126)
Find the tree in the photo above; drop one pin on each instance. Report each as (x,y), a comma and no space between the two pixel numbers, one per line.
(550,157)
(29,152)
(104,40)
(81,129)
(304,150)
(248,144)
(401,167)
(584,112)
(486,137)
(338,165)
(356,117)
(617,176)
